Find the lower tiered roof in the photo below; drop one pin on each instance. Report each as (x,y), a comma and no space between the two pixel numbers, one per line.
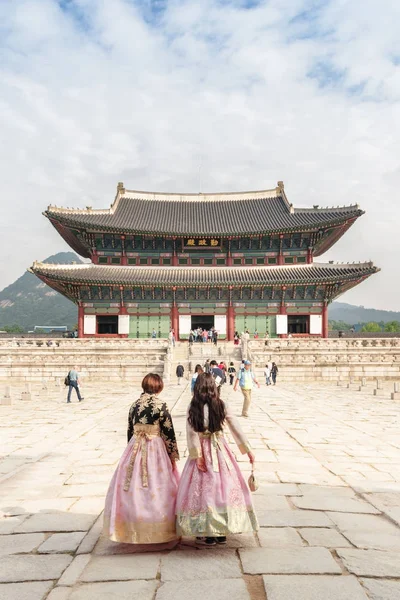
(90,274)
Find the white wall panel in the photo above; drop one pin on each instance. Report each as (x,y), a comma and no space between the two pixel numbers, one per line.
(89,324)
(220,324)
(281,324)
(123,323)
(316,324)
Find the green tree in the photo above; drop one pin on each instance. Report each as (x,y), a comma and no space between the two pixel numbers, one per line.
(392,326)
(13,329)
(372,327)
(339,326)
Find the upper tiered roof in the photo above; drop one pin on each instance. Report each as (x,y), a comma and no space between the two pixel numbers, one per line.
(89,274)
(221,214)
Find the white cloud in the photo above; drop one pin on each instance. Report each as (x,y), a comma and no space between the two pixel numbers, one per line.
(303,90)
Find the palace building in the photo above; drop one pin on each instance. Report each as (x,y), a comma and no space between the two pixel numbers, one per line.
(234,261)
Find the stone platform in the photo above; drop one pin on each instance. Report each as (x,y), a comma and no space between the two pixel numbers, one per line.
(328,503)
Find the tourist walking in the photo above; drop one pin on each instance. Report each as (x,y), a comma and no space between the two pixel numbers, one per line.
(179,373)
(274,372)
(73,384)
(246,379)
(197,370)
(236,339)
(217,373)
(172,337)
(205,336)
(267,374)
(231,373)
(191,337)
(213,498)
(207,366)
(154,333)
(140,502)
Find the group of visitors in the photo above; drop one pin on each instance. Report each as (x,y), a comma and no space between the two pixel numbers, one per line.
(148,503)
(203,336)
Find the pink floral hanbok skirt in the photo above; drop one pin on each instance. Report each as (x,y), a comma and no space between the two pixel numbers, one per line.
(218,502)
(140,502)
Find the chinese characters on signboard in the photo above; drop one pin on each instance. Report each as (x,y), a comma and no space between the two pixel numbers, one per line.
(202,242)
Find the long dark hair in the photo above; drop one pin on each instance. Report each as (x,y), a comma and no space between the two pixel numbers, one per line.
(206,392)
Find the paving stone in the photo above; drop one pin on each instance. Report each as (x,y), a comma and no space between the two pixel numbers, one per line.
(225,589)
(120,568)
(338,504)
(121,590)
(56,522)
(371,563)
(34,590)
(62,542)
(279,489)
(382,590)
(311,587)
(189,565)
(73,572)
(288,560)
(18,543)
(293,518)
(90,540)
(368,531)
(325,538)
(10,524)
(34,506)
(279,537)
(59,593)
(268,502)
(32,567)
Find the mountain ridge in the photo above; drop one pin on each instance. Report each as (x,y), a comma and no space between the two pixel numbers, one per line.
(28,301)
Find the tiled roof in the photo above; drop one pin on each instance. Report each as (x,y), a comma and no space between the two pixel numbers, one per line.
(203,276)
(200,215)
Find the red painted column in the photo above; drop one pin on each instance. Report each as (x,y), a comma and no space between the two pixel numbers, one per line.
(325,327)
(174,256)
(309,255)
(280,255)
(175,321)
(231,323)
(80,321)
(229,261)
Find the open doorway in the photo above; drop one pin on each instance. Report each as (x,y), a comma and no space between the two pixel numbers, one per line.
(107,324)
(298,324)
(203,321)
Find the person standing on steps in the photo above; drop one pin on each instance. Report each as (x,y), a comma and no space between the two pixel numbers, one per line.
(154,334)
(246,380)
(73,377)
(179,373)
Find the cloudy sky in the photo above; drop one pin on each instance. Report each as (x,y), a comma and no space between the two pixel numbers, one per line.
(93,92)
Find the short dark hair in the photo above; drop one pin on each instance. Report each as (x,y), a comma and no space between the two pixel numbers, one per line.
(213,362)
(152,384)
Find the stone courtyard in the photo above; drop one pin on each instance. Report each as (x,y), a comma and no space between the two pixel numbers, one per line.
(328,462)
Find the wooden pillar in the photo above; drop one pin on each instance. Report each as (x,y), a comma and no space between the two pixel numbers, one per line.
(280,255)
(325,327)
(309,255)
(80,321)
(229,261)
(231,323)
(175,321)
(174,256)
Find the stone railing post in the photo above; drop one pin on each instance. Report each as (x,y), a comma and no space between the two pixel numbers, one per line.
(6,399)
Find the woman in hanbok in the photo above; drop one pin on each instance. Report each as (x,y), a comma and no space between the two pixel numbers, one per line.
(140,503)
(213,497)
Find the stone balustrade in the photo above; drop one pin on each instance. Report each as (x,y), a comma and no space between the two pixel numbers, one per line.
(96,359)
(328,359)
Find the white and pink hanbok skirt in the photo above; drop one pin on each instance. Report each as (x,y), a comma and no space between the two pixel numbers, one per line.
(140,502)
(218,502)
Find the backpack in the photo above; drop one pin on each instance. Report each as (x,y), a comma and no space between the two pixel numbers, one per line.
(67,380)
